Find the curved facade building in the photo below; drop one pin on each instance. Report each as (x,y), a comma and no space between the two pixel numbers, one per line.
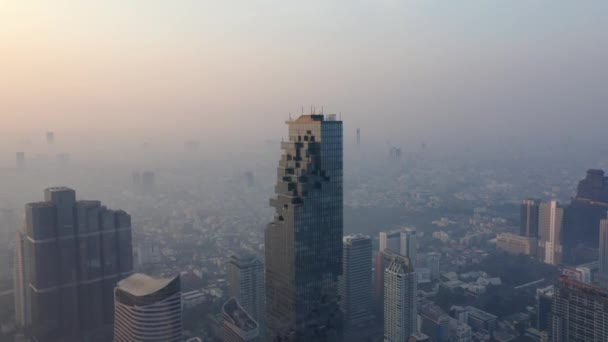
(148,309)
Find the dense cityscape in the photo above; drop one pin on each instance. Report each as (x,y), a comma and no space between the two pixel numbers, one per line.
(434,263)
(303,171)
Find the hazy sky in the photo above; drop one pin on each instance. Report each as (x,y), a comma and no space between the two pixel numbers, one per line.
(403,70)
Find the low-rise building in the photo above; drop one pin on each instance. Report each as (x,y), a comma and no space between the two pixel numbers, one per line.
(516,244)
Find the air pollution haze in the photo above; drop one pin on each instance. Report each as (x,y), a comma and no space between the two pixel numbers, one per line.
(461,142)
(117,74)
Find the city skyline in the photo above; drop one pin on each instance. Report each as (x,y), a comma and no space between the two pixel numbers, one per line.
(271,171)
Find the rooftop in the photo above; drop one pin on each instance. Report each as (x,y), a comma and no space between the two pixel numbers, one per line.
(238,316)
(139,284)
(59,189)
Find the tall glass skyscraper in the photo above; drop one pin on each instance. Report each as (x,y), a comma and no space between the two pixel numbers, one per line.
(70,256)
(304,241)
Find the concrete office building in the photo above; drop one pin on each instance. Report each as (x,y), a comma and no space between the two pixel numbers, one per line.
(239,326)
(356,281)
(246,284)
(400,314)
(70,254)
(303,244)
(480,320)
(516,244)
(148,309)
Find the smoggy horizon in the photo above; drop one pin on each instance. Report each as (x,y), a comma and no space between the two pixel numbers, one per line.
(114,75)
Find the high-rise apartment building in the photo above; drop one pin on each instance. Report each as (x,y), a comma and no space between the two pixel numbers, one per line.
(356,281)
(550,230)
(602,275)
(400,314)
(148,309)
(239,326)
(304,241)
(382,259)
(402,242)
(70,254)
(579,312)
(246,284)
(528,224)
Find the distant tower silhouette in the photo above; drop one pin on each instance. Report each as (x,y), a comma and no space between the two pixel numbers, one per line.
(50,138)
(358,138)
(20,160)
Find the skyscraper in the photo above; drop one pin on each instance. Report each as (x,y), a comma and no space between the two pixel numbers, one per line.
(528,224)
(401,241)
(550,230)
(356,281)
(579,312)
(239,326)
(382,260)
(148,309)
(304,241)
(400,314)
(603,254)
(23,316)
(582,219)
(70,254)
(246,284)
